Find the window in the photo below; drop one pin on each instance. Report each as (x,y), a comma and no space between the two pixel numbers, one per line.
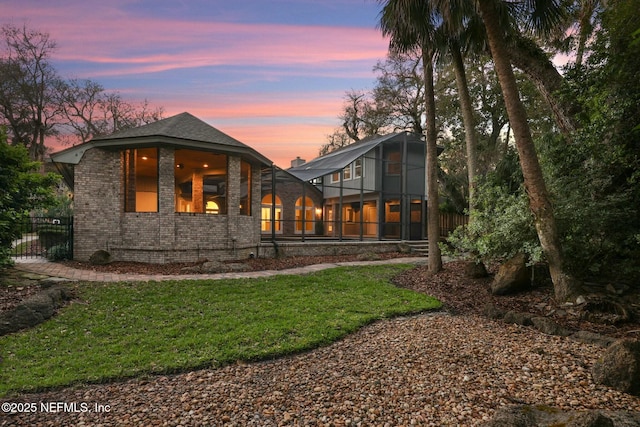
(140,167)
(201,182)
(394,162)
(266,214)
(346,173)
(304,209)
(245,188)
(357,168)
(351,171)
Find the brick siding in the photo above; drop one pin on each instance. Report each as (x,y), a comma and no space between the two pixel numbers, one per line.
(163,236)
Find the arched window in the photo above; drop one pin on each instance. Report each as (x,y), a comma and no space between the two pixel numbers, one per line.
(266,214)
(304,209)
(212,207)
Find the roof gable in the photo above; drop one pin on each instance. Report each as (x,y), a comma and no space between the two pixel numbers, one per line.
(182,126)
(339,159)
(180,131)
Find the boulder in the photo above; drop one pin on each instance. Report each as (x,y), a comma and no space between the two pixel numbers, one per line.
(549,327)
(542,415)
(590,419)
(513,416)
(492,311)
(518,318)
(100,257)
(619,367)
(213,267)
(237,266)
(34,310)
(513,276)
(588,337)
(475,270)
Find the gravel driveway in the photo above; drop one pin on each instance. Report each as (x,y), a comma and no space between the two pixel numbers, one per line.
(427,370)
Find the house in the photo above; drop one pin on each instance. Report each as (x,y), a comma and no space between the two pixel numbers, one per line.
(171,191)
(293,211)
(372,189)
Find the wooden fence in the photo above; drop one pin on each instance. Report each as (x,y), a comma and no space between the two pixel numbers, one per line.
(451,221)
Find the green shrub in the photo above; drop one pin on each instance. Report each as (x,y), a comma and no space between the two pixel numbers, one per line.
(59,252)
(500,227)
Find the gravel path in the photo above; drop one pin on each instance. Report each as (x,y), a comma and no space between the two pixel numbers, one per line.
(428,370)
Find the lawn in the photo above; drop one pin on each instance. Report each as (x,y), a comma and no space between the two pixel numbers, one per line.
(121,330)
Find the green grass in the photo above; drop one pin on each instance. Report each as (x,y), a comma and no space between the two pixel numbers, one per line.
(22,248)
(133,329)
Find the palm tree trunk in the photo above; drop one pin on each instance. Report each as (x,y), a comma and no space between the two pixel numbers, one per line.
(470,135)
(433,209)
(565,287)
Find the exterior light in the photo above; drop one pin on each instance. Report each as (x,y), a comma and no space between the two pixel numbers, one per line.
(206,165)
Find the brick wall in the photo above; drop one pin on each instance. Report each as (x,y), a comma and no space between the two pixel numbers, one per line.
(163,236)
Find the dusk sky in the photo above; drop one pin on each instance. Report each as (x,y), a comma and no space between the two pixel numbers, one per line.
(270,73)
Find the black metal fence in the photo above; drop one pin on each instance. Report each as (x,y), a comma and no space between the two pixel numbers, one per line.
(51,238)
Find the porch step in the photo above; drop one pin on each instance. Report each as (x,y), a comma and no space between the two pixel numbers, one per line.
(419,247)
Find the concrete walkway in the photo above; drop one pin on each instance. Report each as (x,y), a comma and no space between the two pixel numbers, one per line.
(52,269)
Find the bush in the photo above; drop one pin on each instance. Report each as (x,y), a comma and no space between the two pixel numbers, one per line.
(59,252)
(500,227)
(51,235)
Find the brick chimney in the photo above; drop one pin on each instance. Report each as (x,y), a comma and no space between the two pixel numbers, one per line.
(297,162)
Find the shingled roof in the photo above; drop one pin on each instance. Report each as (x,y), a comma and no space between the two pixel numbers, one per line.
(179,131)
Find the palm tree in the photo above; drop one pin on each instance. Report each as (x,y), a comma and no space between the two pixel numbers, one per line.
(565,287)
(459,31)
(412,24)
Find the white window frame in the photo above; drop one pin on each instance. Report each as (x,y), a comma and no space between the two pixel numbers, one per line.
(349,172)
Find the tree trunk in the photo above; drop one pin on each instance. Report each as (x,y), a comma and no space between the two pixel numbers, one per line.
(565,287)
(431,165)
(470,135)
(528,57)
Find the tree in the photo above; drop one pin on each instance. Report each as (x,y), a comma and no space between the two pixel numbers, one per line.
(412,24)
(22,189)
(399,91)
(89,111)
(28,87)
(565,286)
(36,104)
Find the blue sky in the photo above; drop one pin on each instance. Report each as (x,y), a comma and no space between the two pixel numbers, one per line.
(271,73)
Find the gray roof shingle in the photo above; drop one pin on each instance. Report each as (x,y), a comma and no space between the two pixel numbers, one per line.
(182,131)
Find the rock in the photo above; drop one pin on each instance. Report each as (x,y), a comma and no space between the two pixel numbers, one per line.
(100,257)
(513,276)
(369,256)
(588,337)
(619,367)
(512,416)
(493,312)
(590,419)
(541,415)
(34,310)
(523,319)
(237,266)
(549,327)
(213,267)
(475,270)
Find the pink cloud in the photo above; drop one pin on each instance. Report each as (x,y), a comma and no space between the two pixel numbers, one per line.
(143,45)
